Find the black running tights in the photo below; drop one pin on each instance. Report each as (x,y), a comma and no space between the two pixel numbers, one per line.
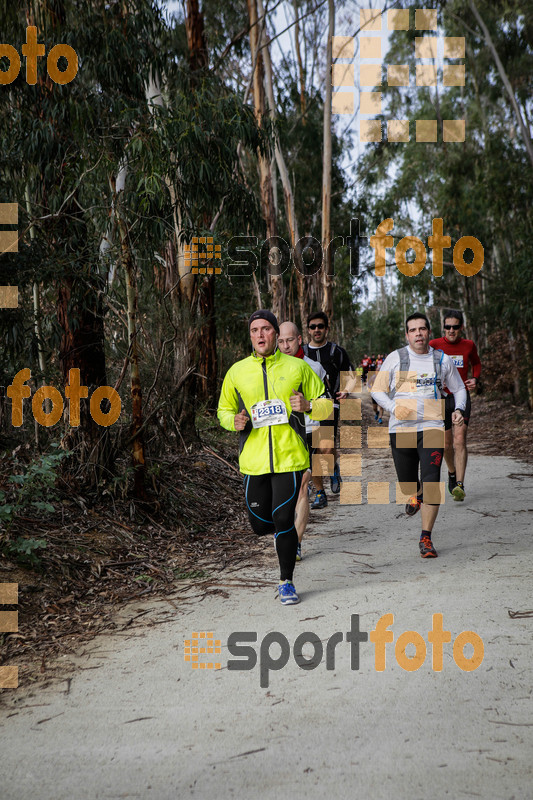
(271,502)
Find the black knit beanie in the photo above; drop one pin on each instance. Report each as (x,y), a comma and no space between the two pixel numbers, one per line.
(263,313)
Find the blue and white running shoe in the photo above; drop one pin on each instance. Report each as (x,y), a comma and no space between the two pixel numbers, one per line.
(287,593)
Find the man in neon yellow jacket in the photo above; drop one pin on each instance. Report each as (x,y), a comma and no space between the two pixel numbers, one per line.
(265,397)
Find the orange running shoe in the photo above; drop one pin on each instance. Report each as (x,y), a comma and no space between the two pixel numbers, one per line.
(412,506)
(426,548)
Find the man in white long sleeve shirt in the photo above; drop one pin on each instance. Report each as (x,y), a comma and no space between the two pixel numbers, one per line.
(409,387)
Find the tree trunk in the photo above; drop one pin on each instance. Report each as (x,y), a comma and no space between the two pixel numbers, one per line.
(265,175)
(36,299)
(79,313)
(204,349)
(528,339)
(207,362)
(516,364)
(288,194)
(301,71)
(194,25)
(130,270)
(327,267)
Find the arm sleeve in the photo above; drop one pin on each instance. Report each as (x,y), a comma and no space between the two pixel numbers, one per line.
(455,384)
(475,362)
(384,382)
(346,364)
(228,404)
(314,389)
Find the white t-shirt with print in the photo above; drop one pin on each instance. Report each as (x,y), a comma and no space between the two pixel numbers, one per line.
(420,385)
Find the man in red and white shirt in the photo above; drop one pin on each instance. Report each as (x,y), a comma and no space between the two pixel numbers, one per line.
(464,355)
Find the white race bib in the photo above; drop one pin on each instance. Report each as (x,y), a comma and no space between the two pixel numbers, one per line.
(458,361)
(269,412)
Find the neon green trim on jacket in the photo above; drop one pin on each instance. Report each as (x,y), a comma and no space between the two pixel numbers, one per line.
(275,448)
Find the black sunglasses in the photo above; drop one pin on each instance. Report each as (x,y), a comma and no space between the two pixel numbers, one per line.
(320,327)
(451,327)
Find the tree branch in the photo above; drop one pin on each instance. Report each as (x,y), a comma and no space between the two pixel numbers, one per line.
(503,75)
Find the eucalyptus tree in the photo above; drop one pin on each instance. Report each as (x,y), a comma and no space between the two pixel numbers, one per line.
(481,186)
(99,162)
(58,138)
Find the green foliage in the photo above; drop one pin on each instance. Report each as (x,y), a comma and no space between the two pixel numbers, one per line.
(31,490)
(25,550)
(30,493)
(379,331)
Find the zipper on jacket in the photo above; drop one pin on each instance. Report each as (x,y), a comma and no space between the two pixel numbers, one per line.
(270,450)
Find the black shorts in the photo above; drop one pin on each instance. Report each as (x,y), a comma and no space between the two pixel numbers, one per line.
(449,408)
(408,459)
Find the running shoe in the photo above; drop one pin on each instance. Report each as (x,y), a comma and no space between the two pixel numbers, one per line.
(320,500)
(287,593)
(380,421)
(452,482)
(376,416)
(458,492)
(336,480)
(426,548)
(412,506)
(299,553)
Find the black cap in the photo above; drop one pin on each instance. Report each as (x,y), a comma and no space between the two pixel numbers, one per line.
(264,313)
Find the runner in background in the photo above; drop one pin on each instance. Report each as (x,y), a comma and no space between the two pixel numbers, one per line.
(371,377)
(335,360)
(290,343)
(407,386)
(463,353)
(365,364)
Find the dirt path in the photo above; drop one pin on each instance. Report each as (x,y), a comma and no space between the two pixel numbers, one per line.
(133,719)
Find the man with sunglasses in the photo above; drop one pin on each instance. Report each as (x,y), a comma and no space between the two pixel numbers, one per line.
(335,360)
(265,397)
(463,353)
